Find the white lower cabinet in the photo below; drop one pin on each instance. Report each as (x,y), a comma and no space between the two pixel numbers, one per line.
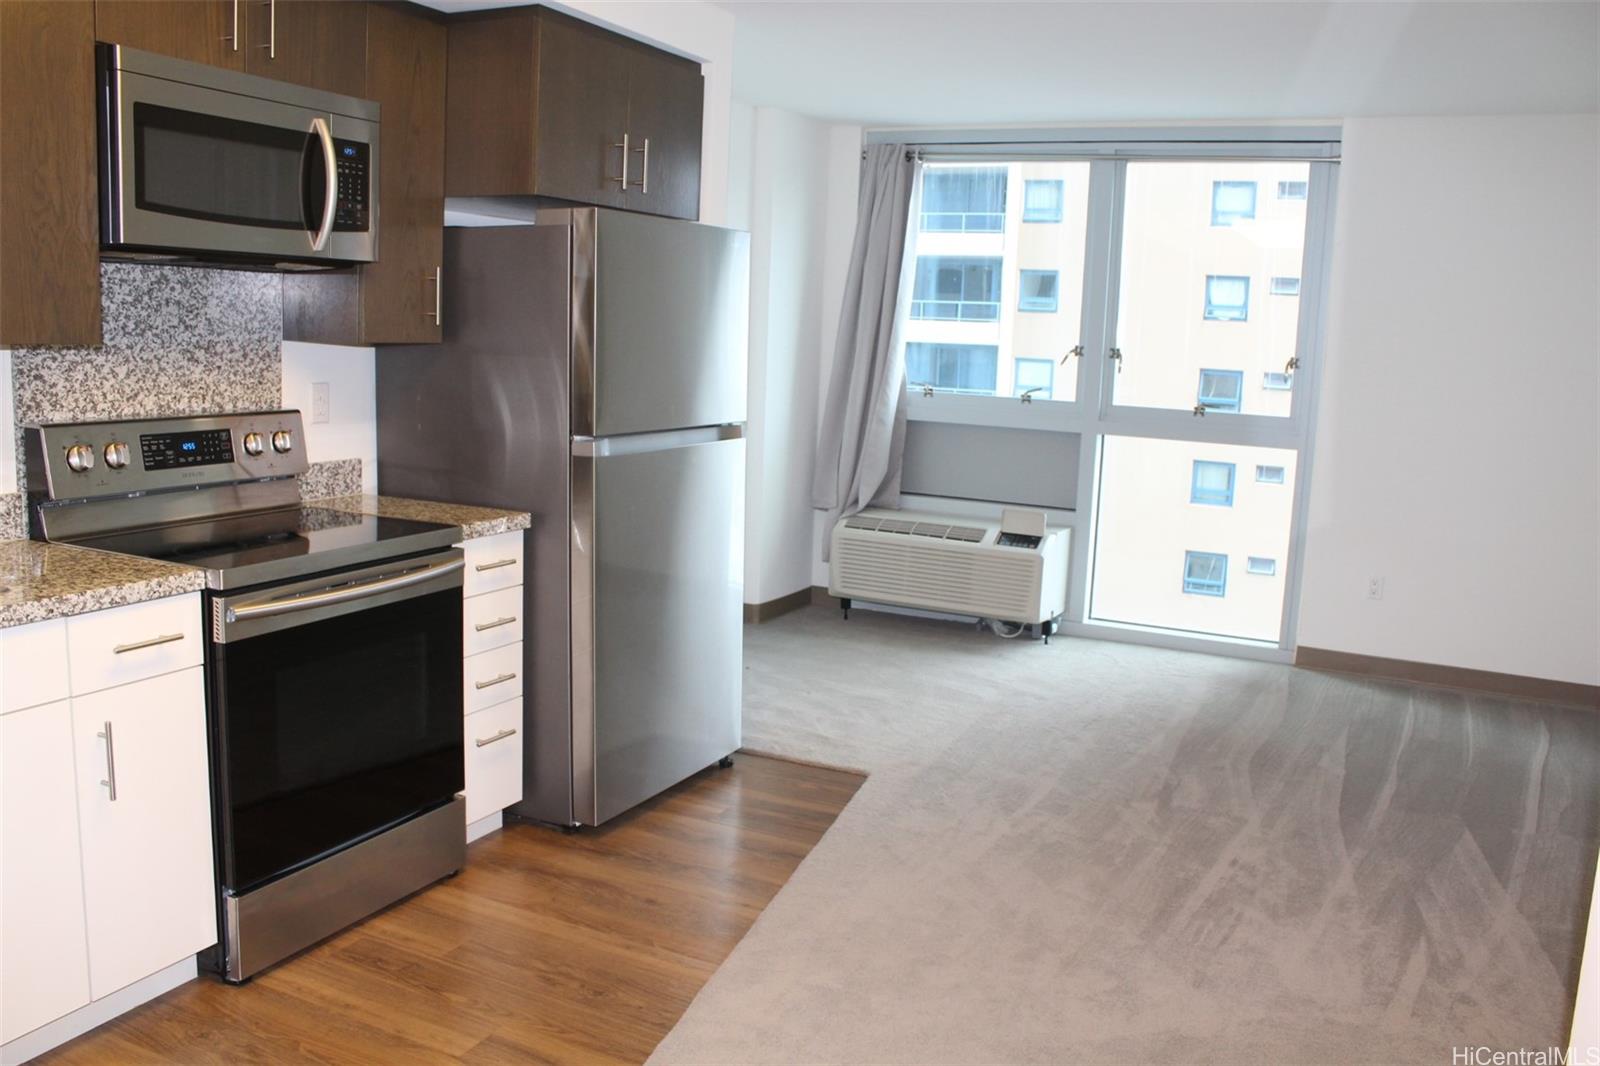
(44,955)
(494,759)
(147,870)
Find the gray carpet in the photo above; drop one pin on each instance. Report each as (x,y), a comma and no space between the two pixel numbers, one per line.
(1104,853)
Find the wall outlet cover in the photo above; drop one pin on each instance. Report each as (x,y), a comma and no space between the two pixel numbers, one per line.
(320,402)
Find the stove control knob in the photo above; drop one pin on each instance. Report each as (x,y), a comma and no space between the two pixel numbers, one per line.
(116,455)
(282,441)
(80,458)
(254,444)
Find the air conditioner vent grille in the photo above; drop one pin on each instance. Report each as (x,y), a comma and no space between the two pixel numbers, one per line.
(965,534)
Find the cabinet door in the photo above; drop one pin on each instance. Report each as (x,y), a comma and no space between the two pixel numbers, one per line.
(149,892)
(405,74)
(582,114)
(44,968)
(49,212)
(666,96)
(207,32)
(320,43)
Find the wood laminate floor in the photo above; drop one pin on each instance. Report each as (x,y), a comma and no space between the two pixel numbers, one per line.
(580,948)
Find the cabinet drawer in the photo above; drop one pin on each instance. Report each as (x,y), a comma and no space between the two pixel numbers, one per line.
(492,620)
(492,677)
(492,563)
(129,643)
(33,664)
(494,759)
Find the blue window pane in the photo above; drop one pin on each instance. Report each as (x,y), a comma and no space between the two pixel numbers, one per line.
(1285,286)
(1291,190)
(1227,297)
(1036,374)
(964,199)
(964,368)
(1212,483)
(1221,390)
(1039,290)
(1041,201)
(960,289)
(1232,201)
(1257,564)
(1205,573)
(1269,475)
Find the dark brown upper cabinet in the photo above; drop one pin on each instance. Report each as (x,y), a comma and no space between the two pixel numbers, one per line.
(49,214)
(397,299)
(210,31)
(542,104)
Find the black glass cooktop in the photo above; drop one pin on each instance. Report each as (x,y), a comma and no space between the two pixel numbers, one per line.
(293,542)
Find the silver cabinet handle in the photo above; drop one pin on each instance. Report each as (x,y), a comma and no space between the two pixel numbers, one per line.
(496,624)
(502,679)
(272,34)
(330,201)
(123,649)
(234,36)
(110,782)
(307,600)
(644,181)
(484,742)
(623,144)
(497,564)
(437,314)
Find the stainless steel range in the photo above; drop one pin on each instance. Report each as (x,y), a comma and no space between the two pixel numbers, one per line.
(333,665)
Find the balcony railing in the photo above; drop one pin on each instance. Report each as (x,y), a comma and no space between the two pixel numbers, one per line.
(956,310)
(963,221)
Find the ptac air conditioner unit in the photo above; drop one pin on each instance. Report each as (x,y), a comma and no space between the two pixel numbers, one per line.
(1014,570)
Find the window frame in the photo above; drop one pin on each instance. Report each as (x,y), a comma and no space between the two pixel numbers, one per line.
(1220,373)
(1058,209)
(1250,562)
(1211,497)
(1304,189)
(1036,304)
(1205,586)
(1273,288)
(1208,311)
(1282,478)
(1269,379)
(1220,217)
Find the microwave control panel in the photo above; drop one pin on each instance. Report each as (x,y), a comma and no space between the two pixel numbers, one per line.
(355,183)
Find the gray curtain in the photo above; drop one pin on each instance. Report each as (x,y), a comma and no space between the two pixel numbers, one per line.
(863,432)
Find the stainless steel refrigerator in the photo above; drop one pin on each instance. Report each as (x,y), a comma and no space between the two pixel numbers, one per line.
(592,373)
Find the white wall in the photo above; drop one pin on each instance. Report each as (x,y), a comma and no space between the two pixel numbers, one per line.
(351,429)
(1457,452)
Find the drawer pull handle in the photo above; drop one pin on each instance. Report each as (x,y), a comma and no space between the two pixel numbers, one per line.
(497,564)
(151,643)
(110,782)
(496,624)
(484,742)
(502,679)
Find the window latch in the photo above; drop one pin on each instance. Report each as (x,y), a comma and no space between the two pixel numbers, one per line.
(1075,350)
(1199,410)
(1115,355)
(1027,394)
(1292,365)
(927,389)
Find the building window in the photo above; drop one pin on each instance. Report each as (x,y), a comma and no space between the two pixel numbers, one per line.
(1205,573)
(1232,201)
(1291,190)
(1227,298)
(1041,201)
(1277,380)
(1269,475)
(1285,287)
(1221,390)
(1038,291)
(1255,564)
(964,199)
(1212,483)
(957,289)
(962,368)
(1036,374)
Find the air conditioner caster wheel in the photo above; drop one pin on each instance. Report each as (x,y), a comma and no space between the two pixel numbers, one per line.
(726,762)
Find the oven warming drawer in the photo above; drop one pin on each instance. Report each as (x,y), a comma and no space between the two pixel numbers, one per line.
(290,914)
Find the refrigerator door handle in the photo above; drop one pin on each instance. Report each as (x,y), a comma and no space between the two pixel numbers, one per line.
(635,443)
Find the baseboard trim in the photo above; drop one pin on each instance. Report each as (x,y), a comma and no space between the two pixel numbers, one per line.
(485,825)
(1517,686)
(756,613)
(96,1013)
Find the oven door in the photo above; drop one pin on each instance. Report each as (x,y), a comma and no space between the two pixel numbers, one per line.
(190,168)
(335,711)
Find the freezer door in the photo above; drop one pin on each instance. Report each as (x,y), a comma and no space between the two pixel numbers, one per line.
(660,325)
(658,590)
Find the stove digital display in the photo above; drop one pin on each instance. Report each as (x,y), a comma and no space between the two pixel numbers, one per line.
(166,451)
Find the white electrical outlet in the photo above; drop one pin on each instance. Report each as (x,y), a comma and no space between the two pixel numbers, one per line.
(1374,588)
(320,402)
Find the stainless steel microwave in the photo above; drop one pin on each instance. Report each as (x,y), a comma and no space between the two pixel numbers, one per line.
(204,165)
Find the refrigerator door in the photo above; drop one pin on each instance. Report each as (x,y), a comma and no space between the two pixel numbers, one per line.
(658,578)
(660,323)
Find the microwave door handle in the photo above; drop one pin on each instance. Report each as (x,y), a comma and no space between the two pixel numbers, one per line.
(319,126)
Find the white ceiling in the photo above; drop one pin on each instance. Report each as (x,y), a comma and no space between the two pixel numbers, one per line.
(890,63)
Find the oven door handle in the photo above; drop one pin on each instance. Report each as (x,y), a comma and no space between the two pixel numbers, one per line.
(305,601)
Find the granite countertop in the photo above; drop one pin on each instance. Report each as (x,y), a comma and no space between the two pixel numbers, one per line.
(39,581)
(474,521)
